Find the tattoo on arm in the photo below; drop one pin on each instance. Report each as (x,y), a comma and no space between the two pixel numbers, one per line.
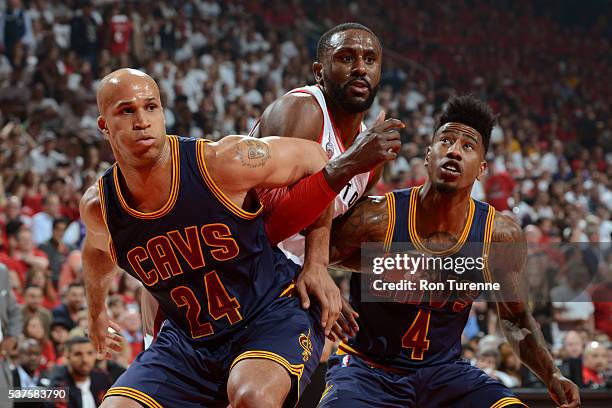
(507,262)
(253,153)
(366,222)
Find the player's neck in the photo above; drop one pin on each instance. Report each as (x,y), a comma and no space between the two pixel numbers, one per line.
(348,124)
(443,211)
(147,187)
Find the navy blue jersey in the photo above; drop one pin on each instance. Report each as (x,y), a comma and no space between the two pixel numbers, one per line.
(207,261)
(419,330)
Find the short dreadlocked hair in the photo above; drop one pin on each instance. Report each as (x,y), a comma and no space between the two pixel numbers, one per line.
(324,42)
(470,111)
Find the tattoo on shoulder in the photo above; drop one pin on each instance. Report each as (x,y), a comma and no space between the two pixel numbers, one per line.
(506,230)
(253,153)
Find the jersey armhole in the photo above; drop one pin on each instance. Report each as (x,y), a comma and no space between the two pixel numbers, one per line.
(488,234)
(391,223)
(304,91)
(111,247)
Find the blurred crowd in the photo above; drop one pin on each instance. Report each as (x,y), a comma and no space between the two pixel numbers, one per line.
(219,64)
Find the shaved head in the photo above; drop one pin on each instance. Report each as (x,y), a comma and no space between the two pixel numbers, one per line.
(118,80)
(132,117)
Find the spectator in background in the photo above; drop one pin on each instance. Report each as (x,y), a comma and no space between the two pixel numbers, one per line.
(10,327)
(571,356)
(116,307)
(132,332)
(594,364)
(119,31)
(27,372)
(33,328)
(32,306)
(40,278)
(488,360)
(86,385)
(601,295)
(510,364)
(55,248)
(573,309)
(84,33)
(21,254)
(499,187)
(72,270)
(14,212)
(42,222)
(74,302)
(59,334)
(15,30)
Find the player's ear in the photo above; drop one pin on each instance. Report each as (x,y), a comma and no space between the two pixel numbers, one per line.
(102,125)
(317,70)
(427,152)
(481,169)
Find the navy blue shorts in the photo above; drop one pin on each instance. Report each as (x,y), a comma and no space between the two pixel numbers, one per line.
(352,383)
(175,373)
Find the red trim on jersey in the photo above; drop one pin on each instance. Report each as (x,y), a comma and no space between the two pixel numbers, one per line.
(370,177)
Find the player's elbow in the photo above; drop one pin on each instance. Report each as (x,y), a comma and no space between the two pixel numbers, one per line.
(318,157)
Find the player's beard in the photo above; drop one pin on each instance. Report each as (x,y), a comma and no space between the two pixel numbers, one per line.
(339,94)
(442,187)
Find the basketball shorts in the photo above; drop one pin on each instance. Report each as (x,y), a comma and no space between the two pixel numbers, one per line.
(174,372)
(352,383)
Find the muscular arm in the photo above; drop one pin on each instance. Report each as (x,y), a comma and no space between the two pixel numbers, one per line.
(240,163)
(299,116)
(98,267)
(506,264)
(367,221)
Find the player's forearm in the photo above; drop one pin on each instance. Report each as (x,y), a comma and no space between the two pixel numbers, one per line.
(98,275)
(338,172)
(529,344)
(317,240)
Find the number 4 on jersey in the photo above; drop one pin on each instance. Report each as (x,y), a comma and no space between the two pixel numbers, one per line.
(416,336)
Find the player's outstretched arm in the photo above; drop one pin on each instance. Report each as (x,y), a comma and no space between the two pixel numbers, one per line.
(506,264)
(240,163)
(98,270)
(298,115)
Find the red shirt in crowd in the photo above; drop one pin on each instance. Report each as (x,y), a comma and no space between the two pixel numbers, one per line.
(601,295)
(120,34)
(19,265)
(499,188)
(591,377)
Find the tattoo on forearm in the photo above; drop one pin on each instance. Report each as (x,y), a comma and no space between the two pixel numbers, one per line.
(253,153)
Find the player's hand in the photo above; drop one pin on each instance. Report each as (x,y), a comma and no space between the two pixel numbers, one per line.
(564,392)
(104,335)
(346,326)
(7,346)
(315,280)
(379,143)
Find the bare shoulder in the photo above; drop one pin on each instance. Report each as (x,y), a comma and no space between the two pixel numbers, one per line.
(292,115)
(240,150)
(366,221)
(90,207)
(505,229)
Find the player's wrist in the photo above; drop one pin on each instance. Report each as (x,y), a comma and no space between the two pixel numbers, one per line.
(338,172)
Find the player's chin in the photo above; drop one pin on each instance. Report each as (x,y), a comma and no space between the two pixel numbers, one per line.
(445,186)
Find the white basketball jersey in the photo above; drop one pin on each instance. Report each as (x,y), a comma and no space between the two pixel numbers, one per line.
(331,141)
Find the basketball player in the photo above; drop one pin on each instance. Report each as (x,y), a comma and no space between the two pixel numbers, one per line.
(407,351)
(180,215)
(347,73)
